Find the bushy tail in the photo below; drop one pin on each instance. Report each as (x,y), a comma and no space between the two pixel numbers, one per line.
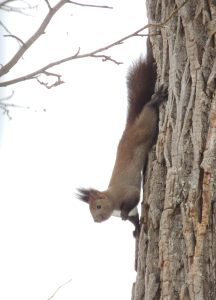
(140,82)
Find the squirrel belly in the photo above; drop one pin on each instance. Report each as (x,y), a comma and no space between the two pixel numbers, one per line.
(123,192)
(133,212)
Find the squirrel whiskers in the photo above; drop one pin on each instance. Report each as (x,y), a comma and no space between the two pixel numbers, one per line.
(123,192)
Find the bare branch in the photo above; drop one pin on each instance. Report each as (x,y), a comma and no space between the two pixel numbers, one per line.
(91,5)
(41,30)
(106,57)
(5,107)
(28,6)
(175,11)
(5,3)
(7,97)
(56,291)
(10,34)
(5,110)
(5,28)
(15,37)
(48,4)
(93,54)
(57,82)
(6,68)
(147,34)
(8,8)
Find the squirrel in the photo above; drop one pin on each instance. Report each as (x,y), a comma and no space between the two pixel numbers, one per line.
(140,133)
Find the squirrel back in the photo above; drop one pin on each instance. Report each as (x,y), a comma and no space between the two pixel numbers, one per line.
(141,79)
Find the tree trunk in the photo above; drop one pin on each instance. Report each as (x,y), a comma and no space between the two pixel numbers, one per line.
(176,250)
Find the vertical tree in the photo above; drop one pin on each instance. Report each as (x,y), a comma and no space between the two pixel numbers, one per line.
(176,255)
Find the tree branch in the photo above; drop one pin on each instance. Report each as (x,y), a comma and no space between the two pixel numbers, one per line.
(58,80)
(5,3)
(6,68)
(91,5)
(48,4)
(41,30)
(56,291)
(5,107)
(92,54)
(76,56)
(10,34)
(6,7)
(15,37)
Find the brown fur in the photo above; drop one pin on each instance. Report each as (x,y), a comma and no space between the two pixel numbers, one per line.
(140,83)
(123,192)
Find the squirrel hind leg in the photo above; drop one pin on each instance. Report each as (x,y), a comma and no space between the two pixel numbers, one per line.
(159,96)
(135,221)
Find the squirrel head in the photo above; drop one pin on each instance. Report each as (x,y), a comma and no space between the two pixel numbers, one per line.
(101,207)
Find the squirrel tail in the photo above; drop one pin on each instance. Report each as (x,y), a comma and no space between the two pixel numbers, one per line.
(140,82)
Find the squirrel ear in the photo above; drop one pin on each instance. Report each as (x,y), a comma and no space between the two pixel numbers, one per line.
(83,194)
(88,194)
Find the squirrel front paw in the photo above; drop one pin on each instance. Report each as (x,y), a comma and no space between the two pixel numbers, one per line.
(124,215)
(163,90)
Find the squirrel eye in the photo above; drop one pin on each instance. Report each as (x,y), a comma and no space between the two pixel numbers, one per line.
(98,206)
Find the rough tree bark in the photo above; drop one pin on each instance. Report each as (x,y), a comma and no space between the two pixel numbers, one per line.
(176,250)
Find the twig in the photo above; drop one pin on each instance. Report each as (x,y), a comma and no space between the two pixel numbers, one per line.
(7,97)
(48,4)
(20,10)
(5,107)
(91,5)
(5,2)
(175,11)
(148,34)
(10,34)
(15,37)
(56,291)
(46,84)
(106,57)
(5,110)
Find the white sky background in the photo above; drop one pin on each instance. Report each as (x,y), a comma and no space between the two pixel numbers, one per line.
(47,236)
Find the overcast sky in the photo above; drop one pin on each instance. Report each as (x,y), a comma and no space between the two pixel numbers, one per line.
(48,236)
